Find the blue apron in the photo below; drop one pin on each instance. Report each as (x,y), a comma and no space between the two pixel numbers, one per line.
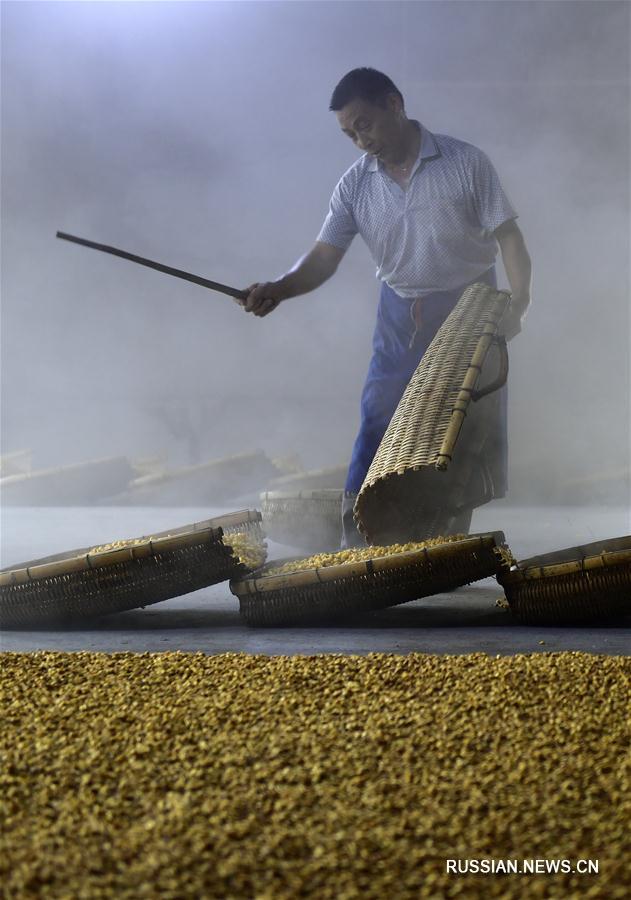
(398,347)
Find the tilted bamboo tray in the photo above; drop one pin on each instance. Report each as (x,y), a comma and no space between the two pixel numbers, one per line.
(419,479)
(211,483)
(149,465)
(572,586)
(604,486)
(72,485)
(17,463)
(308,519)
(83,583)
(315,595)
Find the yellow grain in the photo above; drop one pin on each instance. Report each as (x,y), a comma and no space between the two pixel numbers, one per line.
(187,776)
(359,554)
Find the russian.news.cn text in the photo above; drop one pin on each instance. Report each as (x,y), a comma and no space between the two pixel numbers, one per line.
(522,866)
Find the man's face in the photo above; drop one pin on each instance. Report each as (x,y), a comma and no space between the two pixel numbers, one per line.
(372,128)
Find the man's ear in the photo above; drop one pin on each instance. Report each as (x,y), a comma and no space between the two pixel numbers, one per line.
(393,103)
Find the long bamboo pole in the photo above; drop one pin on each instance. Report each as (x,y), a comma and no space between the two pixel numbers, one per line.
(159,267)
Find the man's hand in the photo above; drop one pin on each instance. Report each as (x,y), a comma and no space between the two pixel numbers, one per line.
(510,325)
(519,271)
(309,273)
(263,298)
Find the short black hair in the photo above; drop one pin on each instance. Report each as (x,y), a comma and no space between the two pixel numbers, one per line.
(363,84)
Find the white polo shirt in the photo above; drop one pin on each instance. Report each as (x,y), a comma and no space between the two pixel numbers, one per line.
(434,236)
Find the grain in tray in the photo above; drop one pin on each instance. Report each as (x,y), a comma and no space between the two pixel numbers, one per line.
(360,554)
(248,550)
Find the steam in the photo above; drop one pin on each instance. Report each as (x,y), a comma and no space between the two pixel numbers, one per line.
(198,134)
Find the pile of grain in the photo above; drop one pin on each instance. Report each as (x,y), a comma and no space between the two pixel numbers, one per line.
(123,542)
(190,776)
(359,554)
(247,548)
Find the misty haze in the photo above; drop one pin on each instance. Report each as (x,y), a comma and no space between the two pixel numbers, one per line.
(198,134)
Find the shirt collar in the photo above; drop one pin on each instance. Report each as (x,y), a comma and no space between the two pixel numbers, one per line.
(428,150)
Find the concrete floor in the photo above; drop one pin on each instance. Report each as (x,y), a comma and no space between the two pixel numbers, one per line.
(207,621)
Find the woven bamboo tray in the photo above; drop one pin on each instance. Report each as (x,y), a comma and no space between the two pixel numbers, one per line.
(575,586)
(419,479)
(315,595)
(73,485)
(307,519)
(83,583)
(211,483)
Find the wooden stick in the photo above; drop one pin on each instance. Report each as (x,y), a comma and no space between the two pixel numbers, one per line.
(168,270)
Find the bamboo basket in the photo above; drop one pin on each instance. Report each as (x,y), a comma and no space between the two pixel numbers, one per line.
(575,586)
(317,595)
(211,483)
(80,584)
(419,480)
(307,519)
(333,478)
(72,485)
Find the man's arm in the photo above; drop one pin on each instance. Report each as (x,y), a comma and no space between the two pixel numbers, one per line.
(518,268)
(312,270)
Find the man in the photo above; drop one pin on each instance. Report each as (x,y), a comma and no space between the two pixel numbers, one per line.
(432,211)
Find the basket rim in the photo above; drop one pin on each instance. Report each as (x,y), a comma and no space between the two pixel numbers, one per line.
(206,531)
(305,494)
(258,583)
(296,477)
(536,567)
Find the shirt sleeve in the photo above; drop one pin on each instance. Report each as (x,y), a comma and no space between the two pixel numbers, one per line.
(339,227)
(490,200)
